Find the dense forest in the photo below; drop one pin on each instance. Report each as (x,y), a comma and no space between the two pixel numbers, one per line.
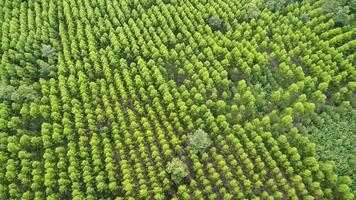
(177,99)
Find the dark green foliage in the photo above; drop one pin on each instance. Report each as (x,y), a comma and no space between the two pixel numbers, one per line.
(276,5)
(304,17)
(335,138)
(215,23)
(352,4)
(340,10)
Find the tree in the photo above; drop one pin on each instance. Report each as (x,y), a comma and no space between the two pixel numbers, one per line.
(24,93)
(48,51)
(352,4)
(215,23)
(331,5)
(352,164)
(341,16)
(252,10)
(199,141)
(177,169)
(46,70)
(276,5)
(6,91)
(304,17)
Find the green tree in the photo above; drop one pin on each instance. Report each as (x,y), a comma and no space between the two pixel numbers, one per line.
(276,5)
(46,70)
(331,5)
(24,93)
(341,16)
(352,4)
(215,23)
(304,17)
(48,51)
(252,10)
(6,91)
(199,141)
(177,169)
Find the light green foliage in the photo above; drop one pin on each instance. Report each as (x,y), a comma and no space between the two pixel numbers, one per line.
(97,99)
(177,169)
(199,141)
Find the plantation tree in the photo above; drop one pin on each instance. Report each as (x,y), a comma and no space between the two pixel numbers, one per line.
(199,141)
(177,169)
